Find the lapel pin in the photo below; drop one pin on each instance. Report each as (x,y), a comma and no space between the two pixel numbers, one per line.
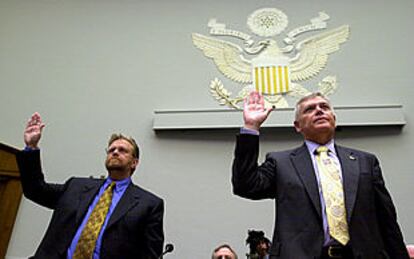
(352,157)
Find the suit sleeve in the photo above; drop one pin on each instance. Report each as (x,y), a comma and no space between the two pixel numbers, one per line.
(387,217)
(33,182)
(248,178)
(154,231)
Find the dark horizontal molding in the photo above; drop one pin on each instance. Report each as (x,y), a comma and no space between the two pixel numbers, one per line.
(226,118)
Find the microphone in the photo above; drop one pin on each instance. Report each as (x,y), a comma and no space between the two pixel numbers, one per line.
(168,249)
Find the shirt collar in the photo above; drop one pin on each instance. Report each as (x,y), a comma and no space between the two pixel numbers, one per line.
(120,184)
(312,146)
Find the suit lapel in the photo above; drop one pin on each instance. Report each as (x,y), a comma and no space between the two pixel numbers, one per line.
(304,168)
(86,197)
(129,200)
(350,176)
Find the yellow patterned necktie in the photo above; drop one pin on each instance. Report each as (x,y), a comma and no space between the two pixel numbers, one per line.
(333,195)
(87,240)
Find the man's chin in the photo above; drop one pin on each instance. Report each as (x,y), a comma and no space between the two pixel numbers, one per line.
(112,167)
(322,122)
(324,125)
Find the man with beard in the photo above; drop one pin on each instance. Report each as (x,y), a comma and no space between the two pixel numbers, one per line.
(331,201)
(108,218)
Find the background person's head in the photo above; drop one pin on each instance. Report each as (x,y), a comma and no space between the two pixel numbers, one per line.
(258,243)
(224,252)
(410,249)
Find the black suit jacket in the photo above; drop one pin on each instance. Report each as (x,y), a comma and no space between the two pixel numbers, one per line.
(135,229)
(289,178)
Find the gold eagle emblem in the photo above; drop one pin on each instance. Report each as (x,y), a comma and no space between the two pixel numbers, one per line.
(265,66)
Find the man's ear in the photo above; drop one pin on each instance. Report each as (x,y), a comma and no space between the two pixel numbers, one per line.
(297,126)
(135,163)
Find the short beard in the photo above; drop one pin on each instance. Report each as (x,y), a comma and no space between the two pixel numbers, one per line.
(114,166)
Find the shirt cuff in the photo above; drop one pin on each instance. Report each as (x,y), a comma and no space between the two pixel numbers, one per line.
(29,149)
(249,131)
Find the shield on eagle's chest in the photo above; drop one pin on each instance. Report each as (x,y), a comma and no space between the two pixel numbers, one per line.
(271,75)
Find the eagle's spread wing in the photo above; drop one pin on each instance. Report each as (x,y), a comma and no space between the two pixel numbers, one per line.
(227,57)
(314,51)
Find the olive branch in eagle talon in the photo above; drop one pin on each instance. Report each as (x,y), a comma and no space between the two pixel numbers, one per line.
(222,95)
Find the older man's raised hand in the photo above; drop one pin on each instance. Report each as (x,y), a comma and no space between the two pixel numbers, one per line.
(255,112)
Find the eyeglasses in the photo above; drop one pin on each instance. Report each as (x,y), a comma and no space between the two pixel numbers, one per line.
(121,150)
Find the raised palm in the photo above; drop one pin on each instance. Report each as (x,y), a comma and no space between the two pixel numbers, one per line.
(33,130)
(255,112)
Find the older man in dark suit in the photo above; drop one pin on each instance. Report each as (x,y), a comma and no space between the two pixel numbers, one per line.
(331,201)
(107,219)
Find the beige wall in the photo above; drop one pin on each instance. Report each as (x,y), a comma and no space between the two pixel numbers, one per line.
(94,67)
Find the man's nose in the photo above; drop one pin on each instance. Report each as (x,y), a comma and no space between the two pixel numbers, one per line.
(319,109)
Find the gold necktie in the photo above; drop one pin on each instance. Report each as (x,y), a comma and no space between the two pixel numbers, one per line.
(333,195)
(87,240)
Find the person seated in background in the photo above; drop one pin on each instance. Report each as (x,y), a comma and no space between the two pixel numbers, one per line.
(258,244)
(224,252)
(410,249)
